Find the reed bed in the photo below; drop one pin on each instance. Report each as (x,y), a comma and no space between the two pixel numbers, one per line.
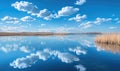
(110,38)
(109,47)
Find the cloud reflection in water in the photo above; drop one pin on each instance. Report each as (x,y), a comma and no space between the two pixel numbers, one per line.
(25,45)
(27,61)
(108,47)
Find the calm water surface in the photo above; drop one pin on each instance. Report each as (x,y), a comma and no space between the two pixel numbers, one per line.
(57,53)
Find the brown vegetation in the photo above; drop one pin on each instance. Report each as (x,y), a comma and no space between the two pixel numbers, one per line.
(108,39)
(109,42)
(109,47)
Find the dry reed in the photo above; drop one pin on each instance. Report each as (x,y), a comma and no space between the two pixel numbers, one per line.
(110,38)
(109,47)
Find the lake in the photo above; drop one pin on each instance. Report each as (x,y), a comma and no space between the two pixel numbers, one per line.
(57,53)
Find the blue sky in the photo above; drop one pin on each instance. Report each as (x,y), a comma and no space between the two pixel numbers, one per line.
(60,16)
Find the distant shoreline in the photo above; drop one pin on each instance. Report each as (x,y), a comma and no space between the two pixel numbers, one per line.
(44,33)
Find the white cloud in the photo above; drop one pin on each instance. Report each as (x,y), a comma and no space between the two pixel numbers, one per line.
(63,29)
(45,14)
(67,57)
(97,21)
(27,19)
(80,2)
(99,48)
(12,20)
(26,7)
(77,50)
(42,25)
(51,52)
(78,18)
(9,47)
(29,60)
(116,19)
(43,55)
(80,67)
(87,43)
(85,25)
(32,9)
(49,17)
(25,49)
(12,28)
(67,11)
(112,28)
(63,56)
(15,47)
(25,62)
(118,22)
(101,20)
(11,39)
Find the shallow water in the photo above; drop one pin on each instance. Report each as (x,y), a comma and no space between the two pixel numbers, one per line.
(56,53)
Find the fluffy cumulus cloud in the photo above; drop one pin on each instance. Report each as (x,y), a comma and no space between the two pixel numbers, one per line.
(67,11)
(80,67)
(77,50)
(80,2)
(25,62)
(14,47)
(27,19)
(32,9)
(85,25)
(78,18)
(67,57)
(97,21)
(26,7)
(43,55)
(45,14)
(101,20)
(63,56)
(12,20)
(29,60)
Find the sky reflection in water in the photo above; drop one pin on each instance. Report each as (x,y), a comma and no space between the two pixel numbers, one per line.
(56,53)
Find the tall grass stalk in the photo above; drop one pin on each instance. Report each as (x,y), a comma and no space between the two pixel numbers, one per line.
(110,38)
